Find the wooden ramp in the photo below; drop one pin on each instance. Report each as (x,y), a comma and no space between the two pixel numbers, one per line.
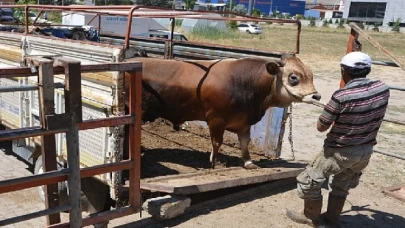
(209,180)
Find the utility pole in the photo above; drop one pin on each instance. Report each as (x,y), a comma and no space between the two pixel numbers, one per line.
(250,7)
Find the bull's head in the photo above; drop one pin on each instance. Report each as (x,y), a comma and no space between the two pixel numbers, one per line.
(296,81)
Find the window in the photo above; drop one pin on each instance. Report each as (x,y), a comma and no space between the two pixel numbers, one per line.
(367,10)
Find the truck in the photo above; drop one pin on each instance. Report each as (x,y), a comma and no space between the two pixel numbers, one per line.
(115,26)
(101,96)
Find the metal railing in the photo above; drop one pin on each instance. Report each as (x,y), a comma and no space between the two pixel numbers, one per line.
(71,122)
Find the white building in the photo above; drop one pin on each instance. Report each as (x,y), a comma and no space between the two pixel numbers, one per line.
(380,11)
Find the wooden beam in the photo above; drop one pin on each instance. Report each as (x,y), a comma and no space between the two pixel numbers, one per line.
(376,45)
(46,98)
(73,105)
(135,108)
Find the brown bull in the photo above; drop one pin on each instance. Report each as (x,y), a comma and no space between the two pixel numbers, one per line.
(228,94)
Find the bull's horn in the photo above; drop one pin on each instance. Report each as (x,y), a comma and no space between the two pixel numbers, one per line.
(280,63)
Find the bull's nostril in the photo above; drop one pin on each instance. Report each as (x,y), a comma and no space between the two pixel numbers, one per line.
(316,96)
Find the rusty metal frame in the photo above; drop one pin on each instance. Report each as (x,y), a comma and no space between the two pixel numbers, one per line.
(136,11)
(72,70)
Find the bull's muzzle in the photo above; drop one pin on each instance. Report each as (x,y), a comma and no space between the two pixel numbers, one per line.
(313,99)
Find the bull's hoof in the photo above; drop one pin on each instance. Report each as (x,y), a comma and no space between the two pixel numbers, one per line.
(250,165)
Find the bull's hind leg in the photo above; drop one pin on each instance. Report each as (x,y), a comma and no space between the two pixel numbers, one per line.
(217,130)
(244,140)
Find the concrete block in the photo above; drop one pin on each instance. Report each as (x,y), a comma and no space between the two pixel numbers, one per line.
(166,207)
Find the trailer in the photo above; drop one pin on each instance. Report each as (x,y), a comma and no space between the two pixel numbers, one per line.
(102,97)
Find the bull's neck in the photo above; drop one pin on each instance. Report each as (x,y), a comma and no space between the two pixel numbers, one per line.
(276,98)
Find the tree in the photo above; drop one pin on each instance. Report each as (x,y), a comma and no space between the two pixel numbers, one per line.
(160,3)
(256,13)
(240,9)
(396,25)
(189,4)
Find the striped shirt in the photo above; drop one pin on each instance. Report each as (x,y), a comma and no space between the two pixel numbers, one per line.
(357,111)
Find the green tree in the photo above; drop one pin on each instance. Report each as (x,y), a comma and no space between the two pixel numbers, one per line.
(325,23)
(189,4)
(330,21)
(256,13)
(240,9)
(160,3)
(312,22)
(396,25)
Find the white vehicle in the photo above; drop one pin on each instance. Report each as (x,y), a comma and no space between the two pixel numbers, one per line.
(31,16)
(116,26)
(250,28)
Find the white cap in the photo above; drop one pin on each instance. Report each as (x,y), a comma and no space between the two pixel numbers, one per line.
(358,60)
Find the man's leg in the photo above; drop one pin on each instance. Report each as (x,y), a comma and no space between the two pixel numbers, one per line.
(339,186)
(309,188)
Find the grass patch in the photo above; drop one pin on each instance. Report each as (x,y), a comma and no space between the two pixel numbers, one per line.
(316,42)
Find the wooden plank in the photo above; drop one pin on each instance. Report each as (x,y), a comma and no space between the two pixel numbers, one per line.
(135,106)
(376,45)
(73,105)
(46,98)
(213,181)
(392,192)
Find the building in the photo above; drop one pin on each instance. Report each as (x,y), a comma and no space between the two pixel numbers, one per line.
(375,11)
(267,7)
(324,12)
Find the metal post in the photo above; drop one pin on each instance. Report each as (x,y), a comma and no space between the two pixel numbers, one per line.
(48,144)
(250,7)
(73,105)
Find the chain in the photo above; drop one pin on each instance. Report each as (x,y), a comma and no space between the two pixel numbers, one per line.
(290,136)
(117,155)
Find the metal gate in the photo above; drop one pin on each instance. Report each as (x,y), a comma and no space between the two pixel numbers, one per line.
(71,122)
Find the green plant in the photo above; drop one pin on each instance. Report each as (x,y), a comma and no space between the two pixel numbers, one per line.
(256,13)
(376,25)
(396,25)
(361,24)
(210,8)
(330,21)
(341,23)
(240,9)
(212,33)
(347,22)
(325,23)
(337,21)
(232,25)
(312,22)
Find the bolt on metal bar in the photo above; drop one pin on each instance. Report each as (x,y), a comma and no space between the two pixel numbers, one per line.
(37,214)
(7,89)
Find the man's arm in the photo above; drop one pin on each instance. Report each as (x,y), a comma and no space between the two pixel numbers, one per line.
(329,114)
(321,127)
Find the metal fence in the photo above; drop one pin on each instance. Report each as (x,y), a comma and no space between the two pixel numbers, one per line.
(71,122)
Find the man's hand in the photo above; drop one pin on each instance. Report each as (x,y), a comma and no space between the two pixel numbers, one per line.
(321,127)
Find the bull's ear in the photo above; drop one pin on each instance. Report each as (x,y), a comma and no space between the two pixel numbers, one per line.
(272,68)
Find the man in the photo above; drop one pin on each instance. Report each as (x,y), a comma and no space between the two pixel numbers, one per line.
(355,113)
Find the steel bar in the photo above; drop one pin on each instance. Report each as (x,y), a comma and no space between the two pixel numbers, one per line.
(37,214)
(384,63)
(106,122)
(376,45)
(60,175)
(101,217)
(13,72)
(46,100)
(7,89)
(129,27)
(33,181)
(402,157)
(399,88)
(27,132)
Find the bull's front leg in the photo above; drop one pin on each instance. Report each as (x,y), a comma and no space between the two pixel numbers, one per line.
(217,130)
(244,140)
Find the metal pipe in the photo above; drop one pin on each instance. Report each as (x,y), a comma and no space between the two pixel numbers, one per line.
(129,26)
(26,20)
(4,89)
(297,45)
(390,154)
(400,88)
(385,63)
(37,214)
(39,14)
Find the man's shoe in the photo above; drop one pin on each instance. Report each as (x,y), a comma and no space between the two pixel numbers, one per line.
(310,215)
(330,219)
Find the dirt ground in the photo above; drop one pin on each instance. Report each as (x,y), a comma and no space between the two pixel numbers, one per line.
(168,152)
(366,205)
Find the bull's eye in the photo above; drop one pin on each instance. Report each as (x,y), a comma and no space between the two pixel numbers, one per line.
(293,80)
